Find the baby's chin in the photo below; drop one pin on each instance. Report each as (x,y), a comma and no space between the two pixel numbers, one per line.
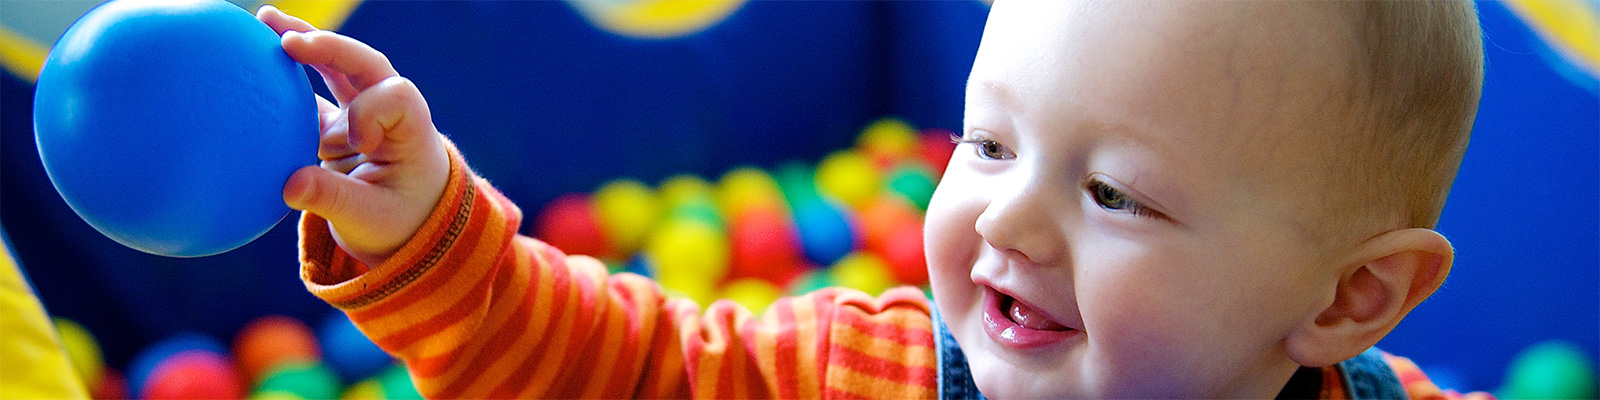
(999,378)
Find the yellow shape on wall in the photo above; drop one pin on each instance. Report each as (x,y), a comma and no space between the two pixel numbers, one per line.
(655,19)
(24,56)
(1571,27)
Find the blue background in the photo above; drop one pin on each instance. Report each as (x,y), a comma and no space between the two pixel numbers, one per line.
(543,103)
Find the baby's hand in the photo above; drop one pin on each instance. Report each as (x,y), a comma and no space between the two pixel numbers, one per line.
(384,164)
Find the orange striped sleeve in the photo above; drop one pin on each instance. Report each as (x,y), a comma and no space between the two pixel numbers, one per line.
(477,311)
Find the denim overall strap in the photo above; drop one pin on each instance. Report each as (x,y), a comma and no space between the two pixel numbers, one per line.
(955,377)
(1367,376)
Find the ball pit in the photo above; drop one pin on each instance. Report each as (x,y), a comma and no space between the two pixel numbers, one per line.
(82,351)
(306,380)
(626,210)
(748,188)
(888,140)
(192,365)
(937,145)
(753,293)
(764,246)
(1550,370)
(913,182)
(270,341)
(570,224)
(144,365)
(849,176)
(193,374)
(863,271)
(347,351)
(854,219)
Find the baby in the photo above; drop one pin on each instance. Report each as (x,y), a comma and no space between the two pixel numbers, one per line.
(1151,199)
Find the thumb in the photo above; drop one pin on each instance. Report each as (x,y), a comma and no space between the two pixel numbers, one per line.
(326,193)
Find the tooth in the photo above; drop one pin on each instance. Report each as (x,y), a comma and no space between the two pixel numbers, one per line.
(1031,319)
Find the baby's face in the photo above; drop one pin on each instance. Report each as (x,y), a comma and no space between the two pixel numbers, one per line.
(1130,213)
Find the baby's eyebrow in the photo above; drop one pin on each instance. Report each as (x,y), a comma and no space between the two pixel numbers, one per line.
(992,91)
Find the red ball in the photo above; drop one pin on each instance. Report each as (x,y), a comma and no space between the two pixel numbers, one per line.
(765,246)
(569,223)
(935,149)
(903,251)
(193,374)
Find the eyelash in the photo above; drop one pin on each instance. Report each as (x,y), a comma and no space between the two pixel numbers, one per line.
(985,146)
(1111,199)
(1104,195)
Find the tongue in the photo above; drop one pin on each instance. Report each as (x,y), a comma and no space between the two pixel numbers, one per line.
(1028,318)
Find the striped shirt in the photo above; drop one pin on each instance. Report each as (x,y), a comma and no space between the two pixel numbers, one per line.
(477,311)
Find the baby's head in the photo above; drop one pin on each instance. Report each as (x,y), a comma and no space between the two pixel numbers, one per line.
(1164,199)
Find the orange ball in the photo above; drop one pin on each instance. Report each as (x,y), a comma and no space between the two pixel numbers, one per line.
(882,217)
(271,341)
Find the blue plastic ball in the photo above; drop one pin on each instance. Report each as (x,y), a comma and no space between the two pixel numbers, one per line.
(826,232)
(172,126)
(349,351)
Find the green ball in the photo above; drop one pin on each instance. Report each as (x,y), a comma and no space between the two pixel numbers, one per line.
(396,383)
(810,281)
(1550,370)
(702,209)
(797,181)
(913,182)
(306,379)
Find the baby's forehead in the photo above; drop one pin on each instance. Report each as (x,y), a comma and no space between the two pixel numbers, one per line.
(1239,97)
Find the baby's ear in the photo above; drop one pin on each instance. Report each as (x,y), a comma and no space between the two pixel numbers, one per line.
(1388,276)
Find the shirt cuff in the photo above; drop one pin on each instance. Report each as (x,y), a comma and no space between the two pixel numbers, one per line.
(467,220)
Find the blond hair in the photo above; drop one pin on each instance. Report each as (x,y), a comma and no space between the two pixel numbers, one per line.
(1418,77)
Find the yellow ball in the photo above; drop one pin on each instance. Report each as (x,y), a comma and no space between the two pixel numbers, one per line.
(689,247)
(849,177)
(82,351)
(684,189)
(276,395)
(888,139)
(748,188)
(752,293)
(627,210)
(368,389)
(697,288)
(863,271)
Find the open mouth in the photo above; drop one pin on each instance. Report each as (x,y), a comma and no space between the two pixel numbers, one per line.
(1016,324)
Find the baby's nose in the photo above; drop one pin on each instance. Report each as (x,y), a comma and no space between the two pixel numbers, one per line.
(1026,221)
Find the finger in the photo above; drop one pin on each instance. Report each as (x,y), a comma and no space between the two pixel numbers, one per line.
(391,113)
(327,113)
(280,21)
(358,62)
(337,83)
(326,193)
(346,164)
(335,140)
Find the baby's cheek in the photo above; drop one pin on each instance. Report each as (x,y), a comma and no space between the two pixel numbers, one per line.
(951,244)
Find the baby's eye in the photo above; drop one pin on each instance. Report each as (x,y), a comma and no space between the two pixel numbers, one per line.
(1110,198)
(989,149)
